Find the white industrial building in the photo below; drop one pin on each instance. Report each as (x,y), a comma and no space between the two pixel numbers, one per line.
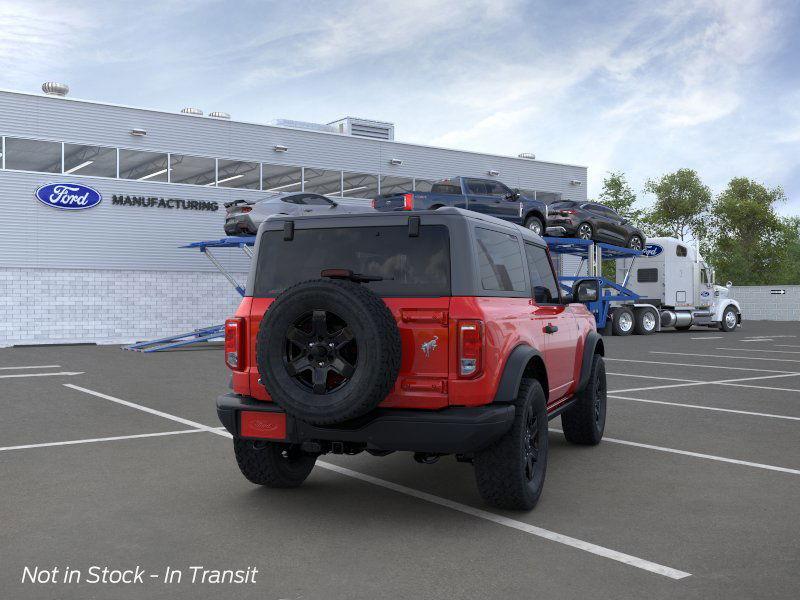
(115,272)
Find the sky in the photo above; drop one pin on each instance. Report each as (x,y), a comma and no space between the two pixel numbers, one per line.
(639,87)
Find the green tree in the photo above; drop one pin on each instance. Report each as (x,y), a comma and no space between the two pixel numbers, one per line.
(750,243)
(681,205)
(618,195)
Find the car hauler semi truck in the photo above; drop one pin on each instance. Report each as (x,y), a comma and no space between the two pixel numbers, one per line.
(672,277)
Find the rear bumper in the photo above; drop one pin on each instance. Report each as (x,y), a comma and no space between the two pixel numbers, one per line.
(447,431)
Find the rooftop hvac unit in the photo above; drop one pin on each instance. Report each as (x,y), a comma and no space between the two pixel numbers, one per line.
(192,111)
(217,114)
(376,130)
(51,88)
(303,125)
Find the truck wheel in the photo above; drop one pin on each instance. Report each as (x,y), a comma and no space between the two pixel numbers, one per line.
(273,465)
(510,473)
(622,323)
(328,351)
(729,320)
(645,323)
(583,423)
(535,225)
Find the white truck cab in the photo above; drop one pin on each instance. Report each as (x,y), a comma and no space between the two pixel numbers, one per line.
(671,276)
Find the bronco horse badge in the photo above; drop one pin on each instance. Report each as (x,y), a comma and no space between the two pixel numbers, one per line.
(430,346)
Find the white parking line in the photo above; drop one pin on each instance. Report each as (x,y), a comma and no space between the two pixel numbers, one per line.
(716,382)
(65,373)
(513,524)
(714,408)
(655,377)
(758,350)
(105,439)
(31,367)
(723,356)
(146,409)
(699,455)
(708,337)
(655,362)
(489,516)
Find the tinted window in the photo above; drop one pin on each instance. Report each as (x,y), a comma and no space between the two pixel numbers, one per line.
(563,204)
(446,186)
(681,251)
(324,182)
(360,185)
(280,178)
(33,155)
(238,174)
(426,185)
(647,275)
(196,170)
(410,266)
(543,280)
(90,160)
(396,185)
(308,199)
(144,166)
(476,186)
(495,188)
(500,261)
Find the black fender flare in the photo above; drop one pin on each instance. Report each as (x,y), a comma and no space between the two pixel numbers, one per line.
(593,345)
(513,372)
(535,212)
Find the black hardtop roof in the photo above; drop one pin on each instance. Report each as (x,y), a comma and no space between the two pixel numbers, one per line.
(276,222)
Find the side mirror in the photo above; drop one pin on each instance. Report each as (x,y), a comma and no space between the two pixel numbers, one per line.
(334,204)
(512,196)
(586,290)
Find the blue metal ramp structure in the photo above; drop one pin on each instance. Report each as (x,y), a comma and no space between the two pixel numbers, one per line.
(592,254)
(213,332)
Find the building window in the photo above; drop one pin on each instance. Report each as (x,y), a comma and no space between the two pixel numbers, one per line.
(500,261)
(321,181)
(359,185)
(33,155)
(144,166)
(194,170)
(423,185)
(97,161)
(237,174)
(280,178)
(396,185)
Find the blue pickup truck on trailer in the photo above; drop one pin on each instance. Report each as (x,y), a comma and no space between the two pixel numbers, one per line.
(486,196)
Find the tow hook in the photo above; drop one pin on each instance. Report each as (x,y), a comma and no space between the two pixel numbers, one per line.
(426,458)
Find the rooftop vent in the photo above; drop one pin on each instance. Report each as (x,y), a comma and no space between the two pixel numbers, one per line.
(219,115)
(527,155)
(192,111)
(376,130)
(303,125)
(51,88)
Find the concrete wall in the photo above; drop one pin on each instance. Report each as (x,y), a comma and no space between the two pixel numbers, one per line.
(49,306)
(758,303)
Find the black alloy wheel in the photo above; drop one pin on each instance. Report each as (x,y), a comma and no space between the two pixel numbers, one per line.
(321,352)
(635,243)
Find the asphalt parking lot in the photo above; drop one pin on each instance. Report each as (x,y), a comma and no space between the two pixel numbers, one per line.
(115,458)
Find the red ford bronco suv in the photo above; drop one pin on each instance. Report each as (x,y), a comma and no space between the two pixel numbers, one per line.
(437,332)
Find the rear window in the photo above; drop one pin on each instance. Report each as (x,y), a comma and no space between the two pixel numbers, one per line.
(410,266)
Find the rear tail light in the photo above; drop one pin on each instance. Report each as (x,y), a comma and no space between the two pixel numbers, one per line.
(566,213)
(246,209)
(408,201)
(470,348)
(234,343)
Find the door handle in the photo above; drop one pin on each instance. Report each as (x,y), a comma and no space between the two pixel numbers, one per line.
(550,328)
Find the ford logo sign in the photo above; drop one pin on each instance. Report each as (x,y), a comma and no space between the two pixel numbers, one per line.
(705,294)
(68,196)
(652,250)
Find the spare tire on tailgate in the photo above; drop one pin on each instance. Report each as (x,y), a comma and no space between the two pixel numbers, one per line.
(328,350)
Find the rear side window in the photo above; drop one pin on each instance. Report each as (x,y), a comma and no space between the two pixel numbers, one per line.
(410,266)
(500,261)
(543,280)
(647,275)
(446,186)
(681,251)
(308,199)
(477,187)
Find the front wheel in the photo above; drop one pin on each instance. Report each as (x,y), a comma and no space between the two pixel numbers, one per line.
(510,473)
(729,320)
(622,322)
(273,465)
(585,421)
(635,243)
(535,225)
(584,232)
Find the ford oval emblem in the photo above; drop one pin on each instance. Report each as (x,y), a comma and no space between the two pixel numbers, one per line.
(705,294)
(652,250)
(68,196)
